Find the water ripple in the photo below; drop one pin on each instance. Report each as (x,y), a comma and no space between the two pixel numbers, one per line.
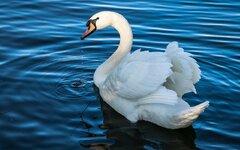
(47,98)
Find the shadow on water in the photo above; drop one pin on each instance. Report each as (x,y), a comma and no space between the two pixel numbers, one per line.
(141,135)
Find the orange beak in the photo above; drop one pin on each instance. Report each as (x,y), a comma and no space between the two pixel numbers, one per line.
(90,30)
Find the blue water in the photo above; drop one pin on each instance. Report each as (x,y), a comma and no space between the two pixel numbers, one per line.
(47,96)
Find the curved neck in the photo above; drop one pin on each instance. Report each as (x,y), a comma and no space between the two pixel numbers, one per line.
(125,45)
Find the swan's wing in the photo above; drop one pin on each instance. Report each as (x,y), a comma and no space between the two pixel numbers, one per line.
(186,71)
(162,95)
(139,75)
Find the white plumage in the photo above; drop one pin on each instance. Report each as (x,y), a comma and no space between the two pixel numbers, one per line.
(147,85)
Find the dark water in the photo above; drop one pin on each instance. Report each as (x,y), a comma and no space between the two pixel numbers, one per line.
(47,97)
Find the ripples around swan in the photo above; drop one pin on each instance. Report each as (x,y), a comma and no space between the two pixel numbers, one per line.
(47,97)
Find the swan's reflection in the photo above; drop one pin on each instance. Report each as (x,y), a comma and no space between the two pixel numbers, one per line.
(142,135)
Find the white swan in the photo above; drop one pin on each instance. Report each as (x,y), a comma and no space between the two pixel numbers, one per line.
(146,85)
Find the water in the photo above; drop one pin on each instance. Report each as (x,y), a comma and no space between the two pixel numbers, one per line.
(47,97)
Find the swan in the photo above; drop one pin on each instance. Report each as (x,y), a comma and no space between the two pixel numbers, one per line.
(146,85)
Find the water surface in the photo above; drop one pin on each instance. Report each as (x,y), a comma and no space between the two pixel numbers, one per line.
(47,97)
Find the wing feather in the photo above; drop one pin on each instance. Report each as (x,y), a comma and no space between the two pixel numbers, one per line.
(141,74)
(186,71)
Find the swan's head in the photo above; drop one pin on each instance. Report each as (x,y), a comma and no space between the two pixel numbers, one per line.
(97,22)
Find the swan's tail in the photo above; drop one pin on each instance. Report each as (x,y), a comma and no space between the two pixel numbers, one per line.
(187,117)
(186,71)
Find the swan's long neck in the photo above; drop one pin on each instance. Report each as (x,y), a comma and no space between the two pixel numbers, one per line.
(125,45)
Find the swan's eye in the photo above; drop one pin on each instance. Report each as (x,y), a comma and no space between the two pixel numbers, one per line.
(95,20)
(87,24)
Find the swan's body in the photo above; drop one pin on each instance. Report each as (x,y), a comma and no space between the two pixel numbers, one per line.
(146,85)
